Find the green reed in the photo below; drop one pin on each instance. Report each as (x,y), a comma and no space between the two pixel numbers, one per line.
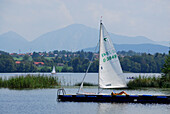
(30,81)
(142,81)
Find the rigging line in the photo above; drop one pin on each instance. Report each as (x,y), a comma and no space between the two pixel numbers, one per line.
(88,69)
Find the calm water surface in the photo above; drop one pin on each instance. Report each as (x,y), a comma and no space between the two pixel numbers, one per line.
(44,101)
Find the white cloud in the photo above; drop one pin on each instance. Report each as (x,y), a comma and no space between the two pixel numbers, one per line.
(31,18)
(135,17)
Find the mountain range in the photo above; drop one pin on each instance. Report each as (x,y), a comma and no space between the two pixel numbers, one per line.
(77,37)
(142,48)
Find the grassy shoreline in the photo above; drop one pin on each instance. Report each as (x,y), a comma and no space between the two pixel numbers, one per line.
(141,81)
(30,81)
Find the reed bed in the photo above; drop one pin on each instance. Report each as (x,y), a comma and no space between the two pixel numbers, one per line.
(30,81)
(142,81)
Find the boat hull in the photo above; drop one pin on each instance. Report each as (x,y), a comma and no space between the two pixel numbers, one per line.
(115,98)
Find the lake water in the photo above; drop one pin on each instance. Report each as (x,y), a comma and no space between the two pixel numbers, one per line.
(43,101)
(69,79)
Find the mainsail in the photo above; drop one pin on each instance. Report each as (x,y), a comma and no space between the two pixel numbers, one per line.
(110,71)
(53,71)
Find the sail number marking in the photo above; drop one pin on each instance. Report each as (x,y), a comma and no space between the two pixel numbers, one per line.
(110,58)
(108,53)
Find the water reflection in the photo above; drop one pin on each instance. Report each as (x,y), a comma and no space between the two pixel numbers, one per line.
(44,101)
(131,108)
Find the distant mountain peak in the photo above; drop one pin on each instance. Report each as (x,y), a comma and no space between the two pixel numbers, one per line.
(76,25)
(72,37)
(11,34)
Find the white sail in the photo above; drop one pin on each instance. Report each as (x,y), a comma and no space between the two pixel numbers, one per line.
(53,71)
(110,71)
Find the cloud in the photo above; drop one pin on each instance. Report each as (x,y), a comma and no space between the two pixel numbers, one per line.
(133,17)
(109,15)
(34,17)
(31,18)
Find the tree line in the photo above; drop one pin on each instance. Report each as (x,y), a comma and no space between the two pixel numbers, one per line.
(79,61)
(161,82)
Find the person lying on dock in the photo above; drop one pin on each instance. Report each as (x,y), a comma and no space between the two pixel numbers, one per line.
(123,92)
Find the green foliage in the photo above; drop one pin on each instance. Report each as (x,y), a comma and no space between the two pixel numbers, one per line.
(25,58)
(162,82)
(66,68)
(1,81)
(95,66)
(3,53)
(145,82)
(59,68)
(35,54)
(29,81)
(79,61)
(166,67)
(166,71)
(45,69)
(7,64)
(144,63)
(18,58)
(49,58)
(26,67)
(47,62)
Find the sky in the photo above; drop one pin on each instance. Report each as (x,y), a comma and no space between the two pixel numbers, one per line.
(32,18)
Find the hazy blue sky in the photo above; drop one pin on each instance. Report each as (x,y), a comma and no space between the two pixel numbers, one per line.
(31,18)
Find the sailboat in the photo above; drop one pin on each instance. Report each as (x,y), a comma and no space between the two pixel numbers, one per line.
(53,71)
(110,72)
(110,75)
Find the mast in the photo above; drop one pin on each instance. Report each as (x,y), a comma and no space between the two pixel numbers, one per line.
(99,52)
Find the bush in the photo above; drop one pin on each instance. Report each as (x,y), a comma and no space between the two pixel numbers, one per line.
(163,82)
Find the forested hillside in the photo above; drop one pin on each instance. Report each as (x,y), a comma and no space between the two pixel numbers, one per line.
(66,61)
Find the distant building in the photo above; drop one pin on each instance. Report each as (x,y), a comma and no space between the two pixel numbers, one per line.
(17,62)
(96,55)
(60,64)
(21,54)
(39,63)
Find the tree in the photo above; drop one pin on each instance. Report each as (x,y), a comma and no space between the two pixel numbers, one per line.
(7,63)
(166,67)
(65,68)
(75,64)
(35,55)
(165,80)
(26,58)
(95,66)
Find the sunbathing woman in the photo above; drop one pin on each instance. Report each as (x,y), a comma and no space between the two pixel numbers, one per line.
(123,92)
